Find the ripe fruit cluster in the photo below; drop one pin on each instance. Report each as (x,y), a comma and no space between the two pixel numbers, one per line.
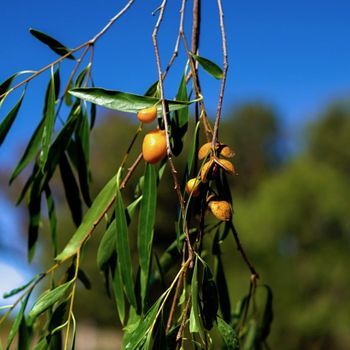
(154,145)
(221,209)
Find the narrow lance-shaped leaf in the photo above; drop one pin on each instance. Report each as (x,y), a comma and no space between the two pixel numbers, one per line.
(6,85)
(118,292)
(101,203)
(52,43)
(48,299)
(123,101)
(19,289)
(71,189)
(138,336)
(146,226)
(30,150)
(267,316)
(52,218)
(17,322)
(228,334)
(196,325)
(209,66)
(6,124)
(108,241)
(123,247)
(49,116)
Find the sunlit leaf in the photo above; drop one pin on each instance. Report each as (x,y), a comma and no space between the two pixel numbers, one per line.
(47,299)
(209,66)
(6,85)
(6,124)
(123,101)
(118,293)
(19,289)
(103,200)
(146,225)
(52,43)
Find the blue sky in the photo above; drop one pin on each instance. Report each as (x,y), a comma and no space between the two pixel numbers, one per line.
(292,54)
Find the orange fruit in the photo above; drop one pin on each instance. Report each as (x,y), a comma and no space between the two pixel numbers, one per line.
(205,170)
(222,210)
(154,146)
(226,165)
(192,186)
(227,152)
(147,115)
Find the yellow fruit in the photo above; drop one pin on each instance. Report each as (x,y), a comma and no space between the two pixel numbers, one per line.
(204,150)
(192,186)
(227,152)
(222,210)
(154,146)
(147,115)
(226,165)
(205,170)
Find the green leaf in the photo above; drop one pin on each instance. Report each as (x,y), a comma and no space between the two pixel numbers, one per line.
(52,218)
(19,289)
(6,124)
(209,66)
(267,316)
(103,201)
(228,334)
(84,279)
(47,299)
(135,339)
(196,325)
(71,190)
(118,292)
(52,43)
(123,247)
(209,299)
(146,226)
(250,338)
(15,326)
(42,345)
(123,101)
(109,239)
(49,116)
(5,86)
(152,90)
(30,150)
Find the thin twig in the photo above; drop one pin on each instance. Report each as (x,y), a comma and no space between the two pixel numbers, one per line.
(131,171)
(184,319)
(79,47)
(166,126)
(224,75)
(253,272)
(177,43)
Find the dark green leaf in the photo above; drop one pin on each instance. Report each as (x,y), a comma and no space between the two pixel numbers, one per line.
(92,115)
(228,334)
(47,299)
(267,316)
(152,90)
(123,101)
(212,68)
(123,247)
(5,86)
(146,226)
(103,201)
(84,279)
(52,43)
(82,75)
(24,335)
(49,116)
(56,324)
(30,150)
(16,324)
(209,299)
(52,218)
(109,239)
(71,189)
(42,345)
(219,276)
(6,124)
